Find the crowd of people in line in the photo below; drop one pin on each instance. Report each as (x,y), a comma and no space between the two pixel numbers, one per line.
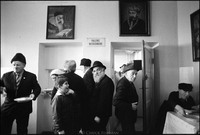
(80,105)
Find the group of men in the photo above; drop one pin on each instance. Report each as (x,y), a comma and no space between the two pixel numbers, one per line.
(91,102)
(93,94)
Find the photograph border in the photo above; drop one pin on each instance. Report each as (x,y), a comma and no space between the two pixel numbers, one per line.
(194,19)
(123,8)
(68,17)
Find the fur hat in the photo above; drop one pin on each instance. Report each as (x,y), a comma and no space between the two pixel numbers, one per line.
(85,62)
(19,57)
(185,86)
(98,64)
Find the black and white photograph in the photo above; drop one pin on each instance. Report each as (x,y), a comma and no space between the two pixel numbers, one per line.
(113,67)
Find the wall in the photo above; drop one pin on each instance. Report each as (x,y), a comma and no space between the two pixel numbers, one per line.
(186,64)
(23,28)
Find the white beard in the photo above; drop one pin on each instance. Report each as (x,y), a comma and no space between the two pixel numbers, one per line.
(98,78)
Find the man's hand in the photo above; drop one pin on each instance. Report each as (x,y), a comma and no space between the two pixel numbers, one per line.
(61,132)
(97,119)
(134,105)
(32,96)
(180,110)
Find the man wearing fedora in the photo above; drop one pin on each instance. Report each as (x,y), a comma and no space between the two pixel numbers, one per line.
(18,83)
(101,99)
(126,99)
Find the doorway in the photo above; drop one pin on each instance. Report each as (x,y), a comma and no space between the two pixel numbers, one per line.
(52,56)
(124,52)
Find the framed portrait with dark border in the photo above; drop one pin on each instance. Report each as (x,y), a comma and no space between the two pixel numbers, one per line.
(134,18)
(194,19)
(60,22)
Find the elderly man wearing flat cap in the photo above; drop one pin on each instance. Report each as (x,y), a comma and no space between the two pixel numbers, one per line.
(101,99)
(181,101)
(55,74)
(18,83)
(126,99)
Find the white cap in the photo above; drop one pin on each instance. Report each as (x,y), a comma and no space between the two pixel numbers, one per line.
(57,72)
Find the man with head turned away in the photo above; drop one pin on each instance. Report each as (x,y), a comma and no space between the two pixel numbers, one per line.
(18,83)
(76,83)
(126,99)
(101,99)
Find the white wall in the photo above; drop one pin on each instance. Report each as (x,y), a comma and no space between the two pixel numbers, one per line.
(186,64)
(23,27)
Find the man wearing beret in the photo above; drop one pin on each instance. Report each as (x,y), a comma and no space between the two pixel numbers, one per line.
(101,99)
(181,101)
(18,83)
(126,99)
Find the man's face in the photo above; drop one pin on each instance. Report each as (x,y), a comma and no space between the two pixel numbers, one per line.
(131,75)
(59,19)
(98,74)
(18,66)
(54,77)
(184,94)
(132,14)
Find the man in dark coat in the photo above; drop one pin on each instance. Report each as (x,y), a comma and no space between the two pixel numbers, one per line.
(89,83)
(126,99)
(18,83)
(76,83)
(101,99)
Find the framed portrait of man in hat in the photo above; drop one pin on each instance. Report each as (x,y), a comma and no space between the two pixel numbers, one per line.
(60,22)
(134,18)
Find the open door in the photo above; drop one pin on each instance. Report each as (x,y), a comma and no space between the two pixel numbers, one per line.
(147,86)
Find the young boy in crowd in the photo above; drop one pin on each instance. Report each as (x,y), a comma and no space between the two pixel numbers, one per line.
(63,108)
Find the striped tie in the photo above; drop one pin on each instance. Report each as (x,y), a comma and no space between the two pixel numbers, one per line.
(17,80)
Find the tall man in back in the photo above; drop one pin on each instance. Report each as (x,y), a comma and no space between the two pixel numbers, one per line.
(76,83)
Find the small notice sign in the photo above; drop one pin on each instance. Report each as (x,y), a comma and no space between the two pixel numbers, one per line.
(96,41)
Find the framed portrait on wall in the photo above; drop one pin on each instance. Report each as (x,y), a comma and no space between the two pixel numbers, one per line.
(134,18)
(194,18)
(60,22)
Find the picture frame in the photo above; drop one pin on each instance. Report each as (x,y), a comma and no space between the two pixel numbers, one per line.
(134,18)
(60,22)
(194,19)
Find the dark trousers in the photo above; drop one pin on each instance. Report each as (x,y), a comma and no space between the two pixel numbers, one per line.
(127,120)
(21,122)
